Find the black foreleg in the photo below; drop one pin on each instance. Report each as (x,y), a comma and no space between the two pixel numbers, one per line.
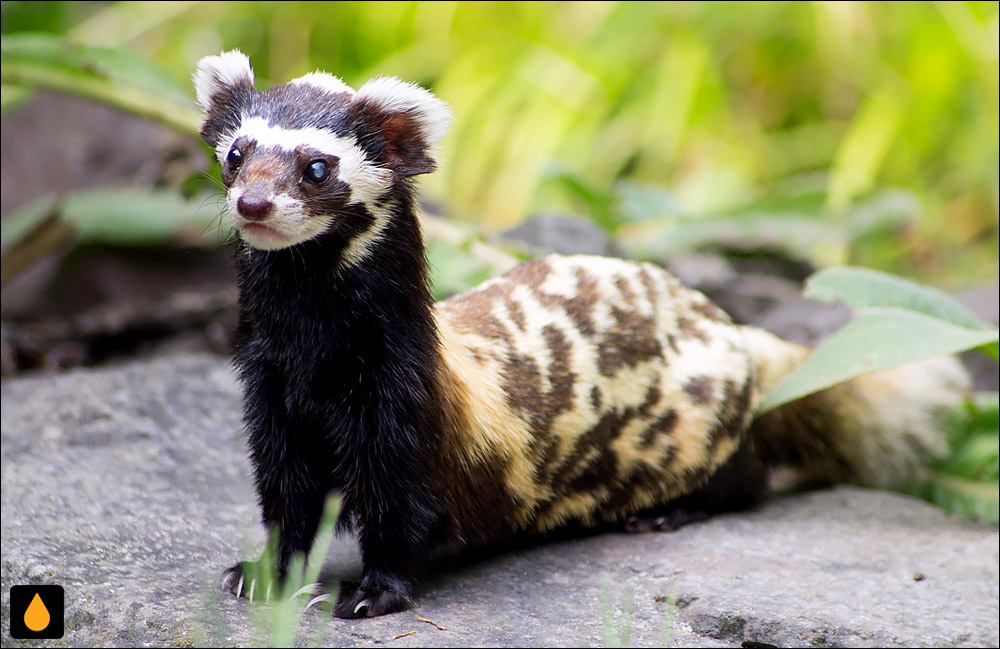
(290,491)
(395,514)
(292,516)
(291,507)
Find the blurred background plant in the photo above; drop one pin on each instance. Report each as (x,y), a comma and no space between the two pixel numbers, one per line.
(817,133)
(841,132)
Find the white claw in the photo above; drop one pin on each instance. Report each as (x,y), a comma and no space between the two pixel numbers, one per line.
(308,588)
(317,600)
(267,596)
(253,587)
(239,586)
(362,604)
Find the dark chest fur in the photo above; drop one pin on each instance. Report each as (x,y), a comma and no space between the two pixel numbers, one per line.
(339,374)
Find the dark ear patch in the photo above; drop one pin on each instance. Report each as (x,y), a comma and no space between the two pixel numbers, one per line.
(405,151)
(224,113)
(399,124)
(223,85)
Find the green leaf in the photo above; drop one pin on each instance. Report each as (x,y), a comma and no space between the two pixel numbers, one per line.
(976,459)
(109,75)
(132,216)
(859,288)
(967,482)
(985,412)
(975,441)
(877,339)
(964,497)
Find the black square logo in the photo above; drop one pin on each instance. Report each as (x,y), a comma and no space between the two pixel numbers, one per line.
(36,612)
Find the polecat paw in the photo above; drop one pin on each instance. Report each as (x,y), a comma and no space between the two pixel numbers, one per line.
(356,601)
(247,583)
(233,580)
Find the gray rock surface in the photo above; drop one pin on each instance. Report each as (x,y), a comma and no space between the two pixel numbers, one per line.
(563,234)
(129,486)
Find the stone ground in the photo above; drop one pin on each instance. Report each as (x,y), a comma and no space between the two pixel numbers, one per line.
(129,486)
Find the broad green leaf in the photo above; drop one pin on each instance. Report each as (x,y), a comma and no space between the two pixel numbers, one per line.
(117,64)
(109,75)
(877,339)
(132,216)
(859,288)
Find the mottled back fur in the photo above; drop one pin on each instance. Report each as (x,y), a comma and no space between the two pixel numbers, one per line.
(592,387)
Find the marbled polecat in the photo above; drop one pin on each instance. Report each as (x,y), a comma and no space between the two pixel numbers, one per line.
(570,391)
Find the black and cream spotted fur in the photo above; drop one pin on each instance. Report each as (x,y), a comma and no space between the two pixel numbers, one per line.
(570,391)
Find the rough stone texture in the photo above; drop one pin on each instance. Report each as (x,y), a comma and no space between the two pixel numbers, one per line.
(563,234)
(129,486)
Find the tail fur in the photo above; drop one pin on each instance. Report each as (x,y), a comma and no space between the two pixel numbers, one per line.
(876,430)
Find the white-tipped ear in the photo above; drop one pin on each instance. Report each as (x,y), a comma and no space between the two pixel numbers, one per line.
(221,73)
(325,82)
(430,115)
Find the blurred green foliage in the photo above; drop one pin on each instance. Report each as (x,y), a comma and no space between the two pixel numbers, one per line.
(967,482)
(723,111)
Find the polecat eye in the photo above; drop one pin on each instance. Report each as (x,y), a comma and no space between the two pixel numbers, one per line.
(234,159)
(316,171)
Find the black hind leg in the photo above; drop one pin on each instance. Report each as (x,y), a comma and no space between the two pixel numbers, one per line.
(740,483)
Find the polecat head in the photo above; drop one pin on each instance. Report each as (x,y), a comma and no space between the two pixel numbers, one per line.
(312,157)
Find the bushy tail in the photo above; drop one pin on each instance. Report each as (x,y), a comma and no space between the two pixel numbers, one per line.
(876,430)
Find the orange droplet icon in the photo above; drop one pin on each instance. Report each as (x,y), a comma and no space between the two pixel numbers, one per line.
(37,616)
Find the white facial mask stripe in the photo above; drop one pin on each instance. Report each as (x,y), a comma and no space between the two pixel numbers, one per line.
(367,181)
(265,135)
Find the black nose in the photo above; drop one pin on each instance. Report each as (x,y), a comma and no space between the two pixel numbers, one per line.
(254,207)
